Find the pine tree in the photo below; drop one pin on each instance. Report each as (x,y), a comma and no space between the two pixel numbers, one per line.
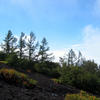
(21,45)
(9,42)
(43,55)
(32,46)
(71,58)
(13,45)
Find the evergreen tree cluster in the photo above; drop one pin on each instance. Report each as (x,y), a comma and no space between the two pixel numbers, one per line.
(27,53)
(80,73)
(28,49)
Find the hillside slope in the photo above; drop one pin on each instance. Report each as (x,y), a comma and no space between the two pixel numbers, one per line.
(46,89)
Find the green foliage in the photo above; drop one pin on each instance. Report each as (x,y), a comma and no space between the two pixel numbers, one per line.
(43,55)
(21,45)
(81,96)
(3,62)
(76,76)
(24,64)
(48,68)
(58,81)
(32,82)
(9,43)
(80,73)
(2,56)
(17,78)
(32,46)
(89,66)
(12,59)
(71,59)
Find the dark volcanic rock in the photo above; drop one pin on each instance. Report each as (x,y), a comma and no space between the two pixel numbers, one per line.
(46,89)
(11,92)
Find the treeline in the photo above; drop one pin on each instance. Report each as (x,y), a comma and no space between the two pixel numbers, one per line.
(26,47)
(28,54)
(80,73)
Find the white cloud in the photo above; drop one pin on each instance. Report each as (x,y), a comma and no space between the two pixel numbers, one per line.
(58,53)
(90,47)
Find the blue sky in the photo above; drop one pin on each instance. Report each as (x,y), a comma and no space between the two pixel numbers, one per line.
(65,23)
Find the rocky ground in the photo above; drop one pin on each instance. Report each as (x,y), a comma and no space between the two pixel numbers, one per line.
(46,89)
(11,92)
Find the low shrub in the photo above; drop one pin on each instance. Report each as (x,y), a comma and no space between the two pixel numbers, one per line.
(3,62)
(2,55)
(81,96)
(47,68)
(58,81)
(14,77)
(12,59)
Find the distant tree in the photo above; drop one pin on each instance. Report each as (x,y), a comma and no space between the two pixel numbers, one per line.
(43,55)
(32,46)
(21,44)
(71,58)
(80,59)
(90,66)
(63,61)
(13,45)
(9,43)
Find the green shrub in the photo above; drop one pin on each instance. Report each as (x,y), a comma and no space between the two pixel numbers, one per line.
(48,68)
(81,96)
(56,80)
(77,77)
(2,55)
(12,59)
(4,62)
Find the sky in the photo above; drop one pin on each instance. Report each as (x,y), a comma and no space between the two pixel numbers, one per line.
(66,24)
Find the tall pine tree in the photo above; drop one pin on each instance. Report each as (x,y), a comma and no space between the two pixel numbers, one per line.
(9,43)
(21,45)
(32,46)
(43,55)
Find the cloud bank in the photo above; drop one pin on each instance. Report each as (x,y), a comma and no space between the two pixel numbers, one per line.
(90,46)
(91,43)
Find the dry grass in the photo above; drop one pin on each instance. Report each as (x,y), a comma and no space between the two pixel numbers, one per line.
(81,96)
(16,77)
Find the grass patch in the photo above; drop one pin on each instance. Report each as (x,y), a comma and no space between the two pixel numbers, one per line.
(58,81)
(81,96)
(4,62)
(18,78)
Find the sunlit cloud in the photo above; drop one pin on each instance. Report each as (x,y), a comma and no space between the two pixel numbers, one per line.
(58,53)
(90,45)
